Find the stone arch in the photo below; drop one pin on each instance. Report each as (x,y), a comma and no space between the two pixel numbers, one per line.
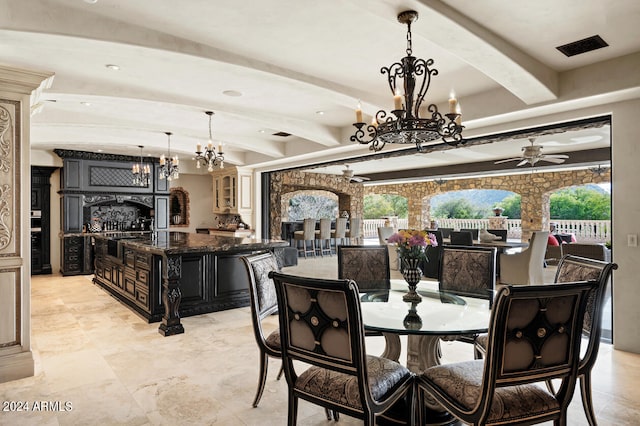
(534,190)
(350,195)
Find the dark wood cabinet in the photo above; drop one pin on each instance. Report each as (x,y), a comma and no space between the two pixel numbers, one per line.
(41,219)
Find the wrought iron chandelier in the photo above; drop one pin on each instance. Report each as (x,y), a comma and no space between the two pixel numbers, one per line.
(141,171)
(404,124)
(169,166)
(209,157)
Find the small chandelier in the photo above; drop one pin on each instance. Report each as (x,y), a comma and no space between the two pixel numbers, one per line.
(404,125)
(141,171)
(169,168)
(209,157)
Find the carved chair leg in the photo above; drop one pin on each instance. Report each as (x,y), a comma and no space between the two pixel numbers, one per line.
(587,403)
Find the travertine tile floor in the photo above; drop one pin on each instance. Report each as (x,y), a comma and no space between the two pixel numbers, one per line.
(114,368)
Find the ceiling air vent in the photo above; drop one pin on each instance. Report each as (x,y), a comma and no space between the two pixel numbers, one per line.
(582,46)
(282,134)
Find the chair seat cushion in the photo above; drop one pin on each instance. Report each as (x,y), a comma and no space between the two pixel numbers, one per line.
(273,340)
(342,389)
(462,383)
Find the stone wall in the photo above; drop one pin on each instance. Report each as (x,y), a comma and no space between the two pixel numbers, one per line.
(350,195)
(534,189)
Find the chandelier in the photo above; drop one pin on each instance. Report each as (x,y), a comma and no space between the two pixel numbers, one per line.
(209,157)
(141,172)
(169,168)
(404,124)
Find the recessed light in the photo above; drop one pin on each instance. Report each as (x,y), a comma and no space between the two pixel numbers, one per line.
(320,112)
(91,1)
(100,150)
(86,103)
(233,93)
(262,131)
(113,67)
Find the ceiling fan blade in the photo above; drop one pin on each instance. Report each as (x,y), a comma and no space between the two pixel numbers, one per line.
(556,156)
(507,160)
(552,160)
(523,162)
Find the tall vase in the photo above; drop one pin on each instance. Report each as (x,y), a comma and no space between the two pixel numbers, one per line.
(412,275)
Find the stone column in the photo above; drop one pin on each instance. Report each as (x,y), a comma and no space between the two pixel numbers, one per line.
(19,91)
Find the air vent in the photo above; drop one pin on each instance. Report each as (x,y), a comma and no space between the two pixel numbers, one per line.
(282,134)
(582,46)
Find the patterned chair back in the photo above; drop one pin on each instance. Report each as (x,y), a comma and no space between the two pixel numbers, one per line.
(262,292)
(367,265)
(534,335)
(574,268)
(468,271)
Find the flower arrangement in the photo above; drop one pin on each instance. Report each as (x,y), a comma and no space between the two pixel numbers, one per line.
(411,244)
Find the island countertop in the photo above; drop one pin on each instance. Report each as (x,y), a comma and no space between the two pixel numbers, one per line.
(172,243)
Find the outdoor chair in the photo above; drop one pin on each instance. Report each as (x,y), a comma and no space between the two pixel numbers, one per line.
(461,238)
(534,336)
(431,268)
(525,267)
(502,233)
(446,232)
(321,325)
(475,232)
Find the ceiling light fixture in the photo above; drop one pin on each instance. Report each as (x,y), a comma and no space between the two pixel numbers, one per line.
(113,67)
(141,171)
(209,157)
(169,166)
(599,171)
(404,125)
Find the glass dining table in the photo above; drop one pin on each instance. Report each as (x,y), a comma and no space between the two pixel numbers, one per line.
(438,315)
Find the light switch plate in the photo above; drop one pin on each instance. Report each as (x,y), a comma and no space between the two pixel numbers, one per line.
(632,240)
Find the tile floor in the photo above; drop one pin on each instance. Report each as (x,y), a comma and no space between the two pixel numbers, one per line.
(113,368)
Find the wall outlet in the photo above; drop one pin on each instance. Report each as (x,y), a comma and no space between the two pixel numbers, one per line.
(632,240)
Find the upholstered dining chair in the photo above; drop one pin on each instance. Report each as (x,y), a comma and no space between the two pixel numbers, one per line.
(461,238)
(367,265)
(307,235)
(468,271)
(321,325)
(534,336)
(262,295)
(525,267)
(574,268)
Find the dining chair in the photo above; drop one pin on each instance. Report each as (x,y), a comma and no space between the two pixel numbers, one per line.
(323,237)
(446,232)
(574,268)
(534,336)
(475,232)
(321,326)
(263,301)
(431,267)
(354,233)
(340,233)
(461,238)
(367,265)
(525,267)
(307,235)
(468,271)
(384,232)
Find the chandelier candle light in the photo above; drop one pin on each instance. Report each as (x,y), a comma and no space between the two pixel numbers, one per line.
(404,124)
(209,157)
(141,171)
(169,166)
(411,251)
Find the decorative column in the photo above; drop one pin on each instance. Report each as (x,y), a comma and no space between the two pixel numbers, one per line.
(19,90)
(171,296)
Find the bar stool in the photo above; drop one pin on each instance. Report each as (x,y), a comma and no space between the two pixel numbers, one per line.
(340,232)
(323,236)
(308,234)
(355,231)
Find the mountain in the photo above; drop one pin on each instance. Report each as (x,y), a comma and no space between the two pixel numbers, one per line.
(478,197)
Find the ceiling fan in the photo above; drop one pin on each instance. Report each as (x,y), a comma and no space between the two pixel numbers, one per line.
(532,154)
(348,174)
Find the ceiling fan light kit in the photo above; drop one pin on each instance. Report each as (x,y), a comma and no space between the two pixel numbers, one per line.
(404,125)
(532,154)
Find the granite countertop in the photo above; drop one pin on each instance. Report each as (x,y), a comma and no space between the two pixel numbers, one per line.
(182,242)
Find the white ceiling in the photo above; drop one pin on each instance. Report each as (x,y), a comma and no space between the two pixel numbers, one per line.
(290,59)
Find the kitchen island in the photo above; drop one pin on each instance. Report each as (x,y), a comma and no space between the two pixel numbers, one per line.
(164,276)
